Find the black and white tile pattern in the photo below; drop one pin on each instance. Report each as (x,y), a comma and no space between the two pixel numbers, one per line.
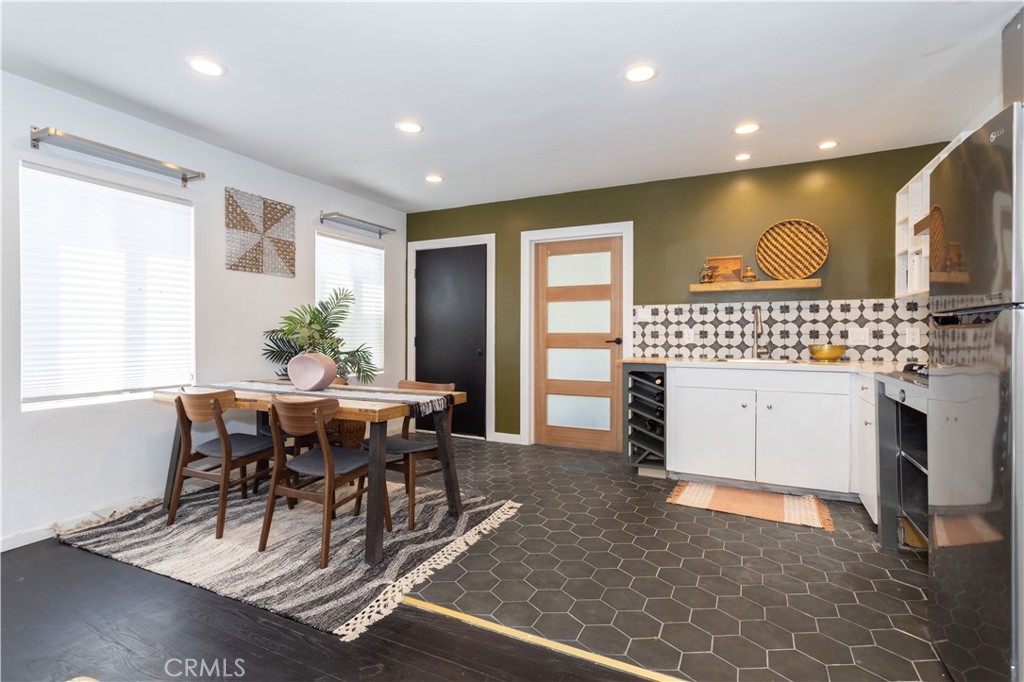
(874,329)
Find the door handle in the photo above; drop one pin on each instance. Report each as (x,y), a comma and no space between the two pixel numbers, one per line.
(479,352)
(769,407)
(617,341)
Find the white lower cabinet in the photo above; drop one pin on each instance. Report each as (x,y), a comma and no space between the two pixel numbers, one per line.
(726,452)
(803,440)
(867,456)
(785,428)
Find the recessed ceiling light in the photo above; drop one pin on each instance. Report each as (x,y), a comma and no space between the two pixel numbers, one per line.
(434,178)
(640,73)
(207,67)
(747,128)
(828,144)
(409,127)
(743,157)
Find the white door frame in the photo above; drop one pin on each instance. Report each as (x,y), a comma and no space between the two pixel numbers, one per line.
(526,293)
(410,307)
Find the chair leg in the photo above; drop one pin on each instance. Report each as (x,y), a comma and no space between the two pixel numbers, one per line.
(261,468)
(293,480)
(410,488)
(179,480)
(242,473)
(268,515)
(359,498)
(222,500)
(325,540)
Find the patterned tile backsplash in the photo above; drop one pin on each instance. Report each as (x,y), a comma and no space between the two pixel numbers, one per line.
(874,329)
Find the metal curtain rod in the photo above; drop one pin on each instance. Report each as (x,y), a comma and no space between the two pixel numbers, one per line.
(349,221)
(59,138)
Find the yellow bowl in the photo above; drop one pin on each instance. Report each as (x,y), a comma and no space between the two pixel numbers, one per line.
(826,351)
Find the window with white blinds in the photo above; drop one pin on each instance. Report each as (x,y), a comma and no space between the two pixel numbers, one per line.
(342,264)
(107,293)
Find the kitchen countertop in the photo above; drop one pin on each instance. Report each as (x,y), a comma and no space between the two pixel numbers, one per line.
(853,367)
(908,378)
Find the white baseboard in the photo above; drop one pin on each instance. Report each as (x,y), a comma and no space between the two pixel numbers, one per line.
(513,438)
(27,537)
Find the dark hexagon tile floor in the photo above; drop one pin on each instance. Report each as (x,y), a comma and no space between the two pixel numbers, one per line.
(596,558)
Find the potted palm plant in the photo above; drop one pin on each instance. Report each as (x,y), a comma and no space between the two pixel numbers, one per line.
(313,329)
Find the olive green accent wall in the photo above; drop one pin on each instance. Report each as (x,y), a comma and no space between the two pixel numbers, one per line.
(678,223)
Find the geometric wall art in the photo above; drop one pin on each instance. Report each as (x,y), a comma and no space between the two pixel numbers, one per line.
(260,234)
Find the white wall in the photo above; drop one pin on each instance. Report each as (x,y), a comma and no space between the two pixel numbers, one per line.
(60,464)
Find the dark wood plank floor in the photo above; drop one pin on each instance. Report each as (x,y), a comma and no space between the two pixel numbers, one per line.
(66,612)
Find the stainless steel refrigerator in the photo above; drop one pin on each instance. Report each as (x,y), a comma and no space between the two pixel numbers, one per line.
(976,403)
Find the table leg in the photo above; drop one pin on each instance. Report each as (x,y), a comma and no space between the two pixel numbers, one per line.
(446,453)
(377,490)
(172,467)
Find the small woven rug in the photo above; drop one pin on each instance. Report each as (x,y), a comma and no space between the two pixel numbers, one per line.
(807,510)
(344,599)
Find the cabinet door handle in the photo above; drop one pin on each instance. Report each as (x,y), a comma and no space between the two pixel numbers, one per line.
(863,388)
(743,405)
(769,407)
(867,423)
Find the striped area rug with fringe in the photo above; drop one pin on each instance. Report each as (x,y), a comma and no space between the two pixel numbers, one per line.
(806,510)
(343,599)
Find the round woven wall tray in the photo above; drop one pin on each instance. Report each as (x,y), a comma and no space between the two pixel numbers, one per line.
(937,239)
(791,249)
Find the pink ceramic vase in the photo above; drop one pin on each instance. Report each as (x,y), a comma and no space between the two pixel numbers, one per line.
(312,371)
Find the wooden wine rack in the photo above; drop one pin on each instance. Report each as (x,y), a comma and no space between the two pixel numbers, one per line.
(644,413)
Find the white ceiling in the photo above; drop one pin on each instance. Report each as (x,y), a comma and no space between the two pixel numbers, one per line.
(522,99)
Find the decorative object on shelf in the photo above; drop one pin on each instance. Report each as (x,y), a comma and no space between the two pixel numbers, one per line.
(791,249)
(260,234)
(749,275)
(826,352)
(725,268)
(805,510)
(706,275)
(313,329)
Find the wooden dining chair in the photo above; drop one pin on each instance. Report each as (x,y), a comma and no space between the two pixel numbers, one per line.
(335,466)
(234,450)
(412,452)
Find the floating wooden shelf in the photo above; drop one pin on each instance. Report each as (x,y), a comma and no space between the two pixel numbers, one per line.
(759,285)
(959,277)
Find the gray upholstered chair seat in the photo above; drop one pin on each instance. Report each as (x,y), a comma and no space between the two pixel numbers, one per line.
(242,445)
(311,463)
(396,445)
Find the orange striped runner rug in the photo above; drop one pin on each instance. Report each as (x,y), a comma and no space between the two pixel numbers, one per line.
(806,510)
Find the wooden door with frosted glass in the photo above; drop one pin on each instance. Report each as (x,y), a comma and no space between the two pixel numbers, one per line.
(577,343)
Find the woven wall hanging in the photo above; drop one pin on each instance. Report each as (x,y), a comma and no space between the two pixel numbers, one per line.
(791,249)
(260,234)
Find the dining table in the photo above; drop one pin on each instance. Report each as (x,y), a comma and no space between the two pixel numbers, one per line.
(370,404)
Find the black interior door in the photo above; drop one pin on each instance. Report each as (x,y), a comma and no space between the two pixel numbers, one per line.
(451,329)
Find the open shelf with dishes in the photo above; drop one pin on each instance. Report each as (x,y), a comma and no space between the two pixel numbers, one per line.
(644,414)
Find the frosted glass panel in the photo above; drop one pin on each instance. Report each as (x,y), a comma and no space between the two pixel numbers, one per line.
(580,317)
(579,364)
(581,412)
(580,268)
